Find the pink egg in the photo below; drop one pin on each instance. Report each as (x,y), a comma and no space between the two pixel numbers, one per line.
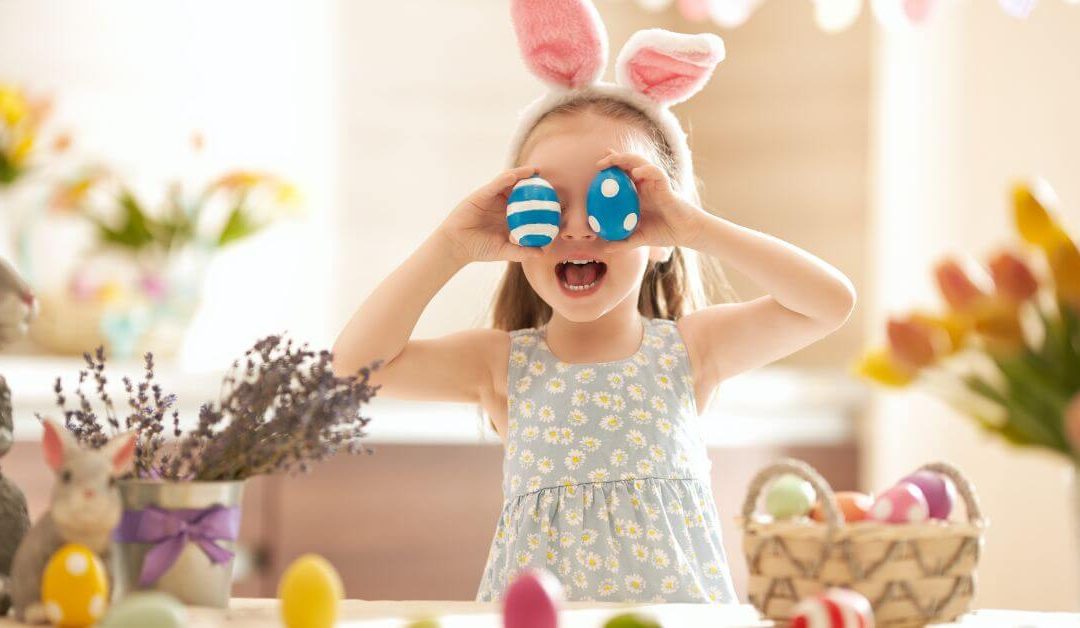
(903,503)
(532,600)
(938,490)
(836,608)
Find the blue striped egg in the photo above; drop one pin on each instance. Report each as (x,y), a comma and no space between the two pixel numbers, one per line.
(612,204)
(533,213)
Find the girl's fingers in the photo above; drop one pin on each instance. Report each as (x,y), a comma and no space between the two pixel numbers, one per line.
(648,172)
(506,180)
(626,161)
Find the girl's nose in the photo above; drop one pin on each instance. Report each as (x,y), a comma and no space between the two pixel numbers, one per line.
(575,225)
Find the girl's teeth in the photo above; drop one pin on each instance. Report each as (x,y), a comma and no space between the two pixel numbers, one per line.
(579,288)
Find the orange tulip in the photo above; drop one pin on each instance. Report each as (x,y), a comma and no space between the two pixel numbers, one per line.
(1072,423)
(1013,278)
(916,344)
(998,323)
(956,328)
(959,290)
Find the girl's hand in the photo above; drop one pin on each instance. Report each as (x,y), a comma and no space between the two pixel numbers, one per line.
(666,218)
(476,229)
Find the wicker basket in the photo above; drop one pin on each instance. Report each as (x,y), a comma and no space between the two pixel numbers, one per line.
(913,574)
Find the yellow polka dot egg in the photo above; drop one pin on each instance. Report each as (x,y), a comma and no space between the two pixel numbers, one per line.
(74,588)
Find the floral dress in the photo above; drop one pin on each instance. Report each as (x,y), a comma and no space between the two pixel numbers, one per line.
(605,477)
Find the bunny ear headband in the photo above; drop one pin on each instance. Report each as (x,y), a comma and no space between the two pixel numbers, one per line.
(564,44)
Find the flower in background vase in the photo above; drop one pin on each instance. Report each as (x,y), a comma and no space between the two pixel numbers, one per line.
(20,123)
(984,355)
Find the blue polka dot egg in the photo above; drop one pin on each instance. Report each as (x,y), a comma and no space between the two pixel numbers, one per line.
(612,204)
(533,212)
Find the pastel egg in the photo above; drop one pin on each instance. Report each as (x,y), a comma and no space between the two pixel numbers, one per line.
(533,212)
(74,588)
(903,503)
(836,608)
(939,491)
(612,204)
(854,506)
(632,620)
(310,591)
(789,496)
(532,600)
(141,609)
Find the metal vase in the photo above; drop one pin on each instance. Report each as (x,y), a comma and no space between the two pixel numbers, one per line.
(193,578)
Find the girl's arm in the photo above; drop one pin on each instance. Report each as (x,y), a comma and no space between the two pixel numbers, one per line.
(456,367)
(808,299)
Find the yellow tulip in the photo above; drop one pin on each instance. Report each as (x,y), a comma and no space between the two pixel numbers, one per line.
(239,179)
(21,151)
(13,106)
(880,366)
(1065,266)
(1033,220)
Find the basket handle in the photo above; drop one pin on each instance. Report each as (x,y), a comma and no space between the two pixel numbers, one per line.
(801,469)
(963,485)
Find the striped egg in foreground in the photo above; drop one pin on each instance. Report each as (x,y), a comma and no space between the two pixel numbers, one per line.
(836,608)
(533,212)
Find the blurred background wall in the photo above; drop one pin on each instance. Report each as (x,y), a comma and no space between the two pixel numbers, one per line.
(962,109)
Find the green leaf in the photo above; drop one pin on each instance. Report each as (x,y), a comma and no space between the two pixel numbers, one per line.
(237,227)
(134,231)
(8,171)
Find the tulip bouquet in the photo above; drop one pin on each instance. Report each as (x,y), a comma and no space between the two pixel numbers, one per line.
(1006,350)
(20,120)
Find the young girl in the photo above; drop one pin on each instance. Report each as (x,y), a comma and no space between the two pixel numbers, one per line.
(601,358)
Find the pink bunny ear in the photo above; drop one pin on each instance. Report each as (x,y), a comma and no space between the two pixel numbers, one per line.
(563,41)
(121,452)
(668,67)
(55,441)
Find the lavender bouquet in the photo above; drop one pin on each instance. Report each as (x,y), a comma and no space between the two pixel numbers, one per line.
(281,408)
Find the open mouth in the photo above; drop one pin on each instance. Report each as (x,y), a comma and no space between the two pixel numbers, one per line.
(580,275)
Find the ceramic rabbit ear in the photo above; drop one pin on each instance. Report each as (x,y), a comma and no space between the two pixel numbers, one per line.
(563,41)
(56,441)
(668,67)
(121,452)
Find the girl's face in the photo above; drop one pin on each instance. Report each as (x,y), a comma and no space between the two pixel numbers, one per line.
(574,276)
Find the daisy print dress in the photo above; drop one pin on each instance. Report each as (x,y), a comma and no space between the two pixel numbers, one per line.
(605,477)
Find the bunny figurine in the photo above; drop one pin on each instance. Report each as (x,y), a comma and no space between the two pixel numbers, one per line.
(14,519)
(85,507)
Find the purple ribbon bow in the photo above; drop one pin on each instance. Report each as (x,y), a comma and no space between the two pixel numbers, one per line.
(171,530)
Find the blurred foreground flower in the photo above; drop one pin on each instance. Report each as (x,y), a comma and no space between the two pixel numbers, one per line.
(1007,351)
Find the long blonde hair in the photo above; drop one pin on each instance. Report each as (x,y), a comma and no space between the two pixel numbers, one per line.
(670,289)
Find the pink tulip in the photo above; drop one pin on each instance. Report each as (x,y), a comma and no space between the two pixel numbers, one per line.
(915,344)
(1072,423)
(959,290)
(1013,278)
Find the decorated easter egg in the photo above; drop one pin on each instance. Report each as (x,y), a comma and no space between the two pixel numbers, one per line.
(612,204)
(789,496)
(939,491)
(310,592)
(532,600)
(146,608)
(632,620)
(903,503)
(74,588)
(427,622)
(533,212)
(854,506)
(836,608)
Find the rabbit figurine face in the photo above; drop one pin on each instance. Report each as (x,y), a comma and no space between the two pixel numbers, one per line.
(85,500)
